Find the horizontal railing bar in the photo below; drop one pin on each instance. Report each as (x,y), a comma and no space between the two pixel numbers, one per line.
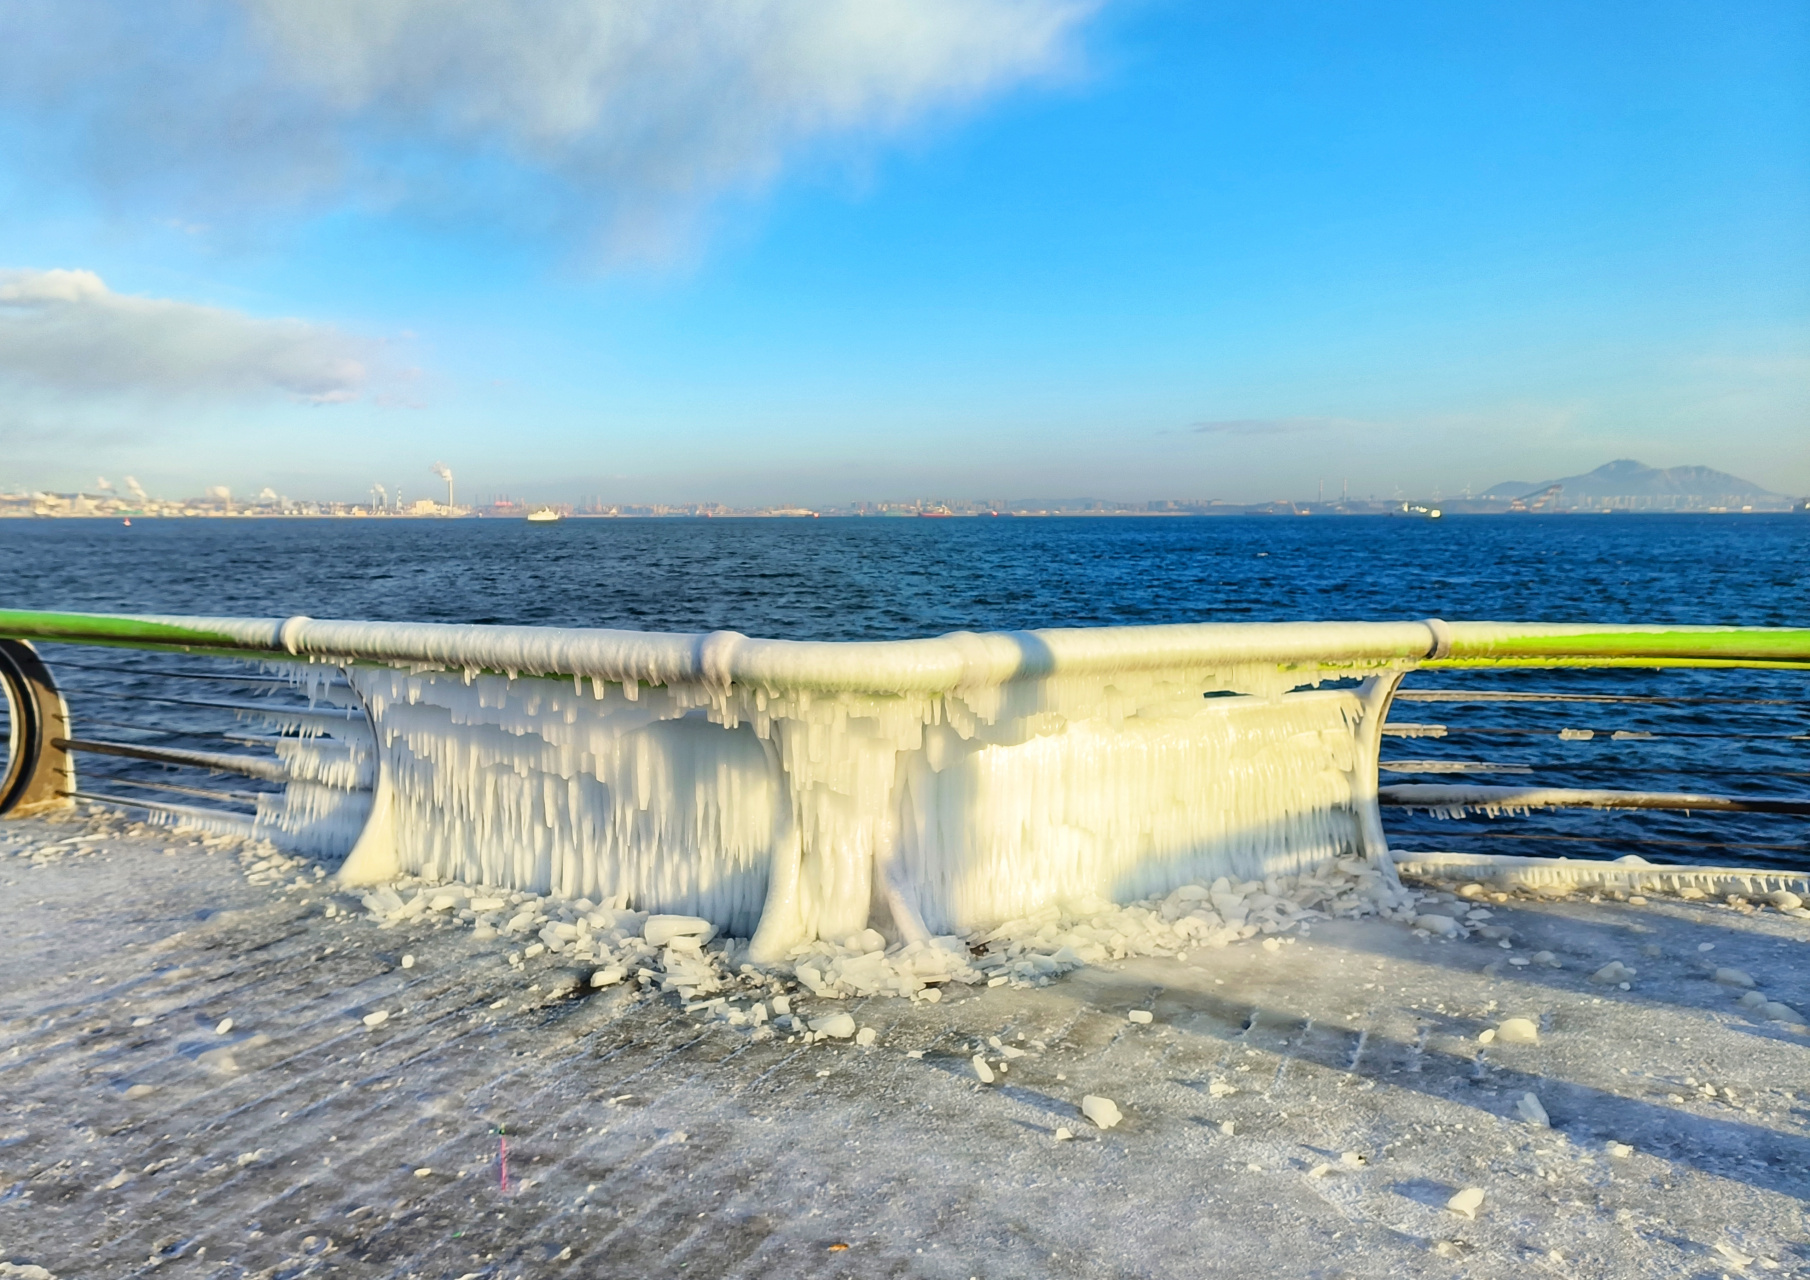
(1566,766)
(62,664)
(1451,766)
(245,821)
(1802,847)
(214,761)
(263,709)
(234,797)
(1508,871)
(1423,795)
(935,665)
(1627,735)
(1459,695)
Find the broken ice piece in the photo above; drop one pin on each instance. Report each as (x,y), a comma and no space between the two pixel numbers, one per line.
(1466,1202)
(1104,1112)
(1614,971)
(226,1024)
(1486,1036)
(866,1037)
(982,1070)
(660,930)
(1351,1159)
(1546,958)
(1444,926)
(1530,1110)
(424,1173)
(1063,1135)
(837,1026)
(1751,1000)
(408,962)
(609,975)
(1319,1171)
(1140,1015)
(1734,977)
(377,1019)
(1619,1150)
(1517,1031)
(1784,899)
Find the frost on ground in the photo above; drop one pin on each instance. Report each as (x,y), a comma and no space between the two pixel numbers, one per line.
(214,1060)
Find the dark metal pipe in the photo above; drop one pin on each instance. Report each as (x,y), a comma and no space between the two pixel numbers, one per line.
(214,761)
(1426,795)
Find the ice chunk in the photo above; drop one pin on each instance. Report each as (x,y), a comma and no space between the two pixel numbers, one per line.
(408,962)
(1466,1202)
(660,930)
(837,1026)
(1546,958)
(1517,1031)
(1614,971)
(1444,926)
(377,1019)
(1784,899)
(1139,1015)
(866,1037)
(226,1024)
(1102,1111)
(1319,1171)
(1619,1150)
(982,1070)
(1063,1134)
(1751,1000)
(1530,1109)
(1486,1036)
(1734,977)
(1777,1012)
(608,976)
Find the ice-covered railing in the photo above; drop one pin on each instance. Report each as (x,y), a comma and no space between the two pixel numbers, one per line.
(798,790)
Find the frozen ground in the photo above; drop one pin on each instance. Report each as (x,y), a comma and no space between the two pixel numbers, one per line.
(1301,1110)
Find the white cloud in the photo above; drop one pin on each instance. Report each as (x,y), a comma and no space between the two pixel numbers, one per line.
(628,116)
(67,333)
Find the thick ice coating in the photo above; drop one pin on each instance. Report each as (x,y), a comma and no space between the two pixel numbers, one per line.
(792,814)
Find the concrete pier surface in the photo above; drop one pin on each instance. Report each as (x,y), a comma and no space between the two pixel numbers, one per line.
(194,1081)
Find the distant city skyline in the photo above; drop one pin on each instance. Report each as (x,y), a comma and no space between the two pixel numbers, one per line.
(1624,485)
(814,252)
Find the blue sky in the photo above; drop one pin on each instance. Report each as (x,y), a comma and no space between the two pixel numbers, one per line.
(874,249)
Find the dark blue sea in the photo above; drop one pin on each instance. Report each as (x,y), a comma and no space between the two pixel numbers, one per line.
(1727,732)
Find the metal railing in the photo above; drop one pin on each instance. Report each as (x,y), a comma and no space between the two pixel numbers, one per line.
(248,724)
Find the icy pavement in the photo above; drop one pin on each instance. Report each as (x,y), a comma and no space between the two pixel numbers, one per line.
(196,1082)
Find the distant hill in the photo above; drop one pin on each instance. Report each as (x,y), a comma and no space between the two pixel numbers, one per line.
(1631,485)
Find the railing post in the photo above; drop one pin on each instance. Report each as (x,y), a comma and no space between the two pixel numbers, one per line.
(1375,695)
(39,773)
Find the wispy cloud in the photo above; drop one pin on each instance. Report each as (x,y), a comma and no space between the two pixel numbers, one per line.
(627,117)
(66,333)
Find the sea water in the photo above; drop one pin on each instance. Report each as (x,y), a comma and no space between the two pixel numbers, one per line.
(880,578)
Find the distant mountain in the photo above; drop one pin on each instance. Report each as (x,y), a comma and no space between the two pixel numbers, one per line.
(1631,485)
